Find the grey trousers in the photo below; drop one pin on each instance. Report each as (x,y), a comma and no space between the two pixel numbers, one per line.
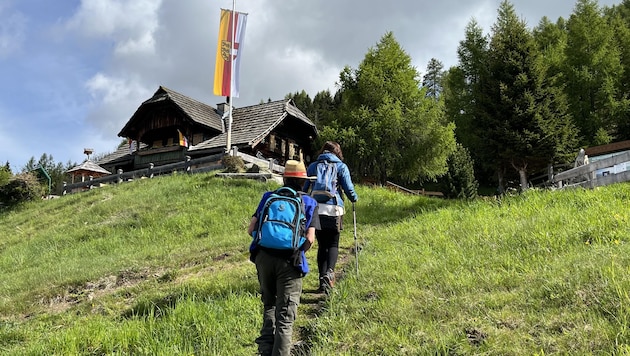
(280,288)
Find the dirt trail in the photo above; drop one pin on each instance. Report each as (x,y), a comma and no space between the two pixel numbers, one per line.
(312,302)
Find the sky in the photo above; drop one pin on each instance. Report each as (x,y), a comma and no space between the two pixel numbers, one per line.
(72,72)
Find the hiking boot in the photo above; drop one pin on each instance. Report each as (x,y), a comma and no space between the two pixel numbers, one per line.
(331,278)
(328,280)
(323,285)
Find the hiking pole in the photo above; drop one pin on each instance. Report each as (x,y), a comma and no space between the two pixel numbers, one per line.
(356,246)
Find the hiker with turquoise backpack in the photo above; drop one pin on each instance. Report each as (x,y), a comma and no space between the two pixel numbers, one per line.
(282,229)
(333,180)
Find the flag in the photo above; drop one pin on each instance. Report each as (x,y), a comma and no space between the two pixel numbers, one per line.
(224,78)
(183,141)
(132,145)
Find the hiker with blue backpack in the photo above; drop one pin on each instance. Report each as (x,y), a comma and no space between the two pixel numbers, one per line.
(283,229)
(333,180)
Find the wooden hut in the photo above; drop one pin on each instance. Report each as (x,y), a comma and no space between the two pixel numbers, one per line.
(170,126)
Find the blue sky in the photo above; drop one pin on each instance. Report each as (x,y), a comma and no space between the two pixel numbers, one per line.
(74,71)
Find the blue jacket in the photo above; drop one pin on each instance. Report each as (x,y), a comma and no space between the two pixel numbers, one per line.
(344,182)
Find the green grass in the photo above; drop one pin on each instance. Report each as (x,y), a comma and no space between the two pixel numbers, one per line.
(160,267)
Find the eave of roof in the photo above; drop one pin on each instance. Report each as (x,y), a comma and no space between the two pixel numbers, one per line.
(196,111)
(609,148)
(89,166)
(252,124)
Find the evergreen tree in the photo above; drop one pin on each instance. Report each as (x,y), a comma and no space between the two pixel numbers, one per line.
(459,182)
(386,125)
(463,94)
(56,171)
(5,174)
(433,79)
(525,120)
(303,102)
(324,108)
(618,18)
(592,71)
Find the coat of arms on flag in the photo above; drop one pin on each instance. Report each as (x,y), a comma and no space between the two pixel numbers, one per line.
(226,70)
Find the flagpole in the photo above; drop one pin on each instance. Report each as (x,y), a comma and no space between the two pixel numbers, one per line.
(229,133)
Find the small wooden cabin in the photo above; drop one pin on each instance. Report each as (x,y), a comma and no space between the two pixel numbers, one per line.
(170,126)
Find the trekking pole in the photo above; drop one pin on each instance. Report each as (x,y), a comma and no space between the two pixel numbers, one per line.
(356,246)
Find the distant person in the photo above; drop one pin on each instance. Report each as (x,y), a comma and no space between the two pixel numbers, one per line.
(278,250)
(332,173)
(581,159)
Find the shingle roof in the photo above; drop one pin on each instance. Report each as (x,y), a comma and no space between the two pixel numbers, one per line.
(252,124)
(120,155)
(88,166)
(197,111)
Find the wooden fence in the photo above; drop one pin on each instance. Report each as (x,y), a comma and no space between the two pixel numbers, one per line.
(410,191)
(188,166)
(585,176)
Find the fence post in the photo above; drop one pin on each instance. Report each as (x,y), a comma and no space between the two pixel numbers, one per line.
(234,151)
(187,165)
(65,185)
(120,171)
(150,170)
(270,164)
(91,185)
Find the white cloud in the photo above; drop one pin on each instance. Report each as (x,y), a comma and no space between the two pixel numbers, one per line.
(130,24)
(12,31)
(114,101)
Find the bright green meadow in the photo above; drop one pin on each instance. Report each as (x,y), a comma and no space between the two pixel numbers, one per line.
(160,267)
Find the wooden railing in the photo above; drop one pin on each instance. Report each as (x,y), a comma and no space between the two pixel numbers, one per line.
(585,176)
(414,192)
(188,166)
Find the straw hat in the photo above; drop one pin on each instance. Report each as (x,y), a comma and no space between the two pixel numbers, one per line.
(295,169)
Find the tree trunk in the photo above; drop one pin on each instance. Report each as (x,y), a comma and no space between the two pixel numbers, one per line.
(522,173)
(501,186)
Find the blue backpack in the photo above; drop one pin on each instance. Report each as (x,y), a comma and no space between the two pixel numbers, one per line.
(325,186)
(282,223)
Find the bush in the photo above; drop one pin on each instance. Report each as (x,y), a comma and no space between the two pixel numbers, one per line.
(5,175)
(233,164)
(20,188)
(459,182)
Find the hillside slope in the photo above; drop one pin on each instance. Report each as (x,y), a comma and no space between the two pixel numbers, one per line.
(160,267)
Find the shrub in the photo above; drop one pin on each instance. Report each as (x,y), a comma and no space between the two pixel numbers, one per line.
(20,188)
(5,175)
(459,182)
(233,164)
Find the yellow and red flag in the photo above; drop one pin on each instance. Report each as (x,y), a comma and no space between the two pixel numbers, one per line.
(226,70)
(183,141)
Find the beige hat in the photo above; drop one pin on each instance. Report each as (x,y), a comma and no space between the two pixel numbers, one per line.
(295,169)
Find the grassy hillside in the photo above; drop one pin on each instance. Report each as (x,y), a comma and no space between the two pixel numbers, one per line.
(160,267)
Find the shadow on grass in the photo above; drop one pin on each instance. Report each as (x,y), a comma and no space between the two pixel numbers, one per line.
(380,209)
(160,306)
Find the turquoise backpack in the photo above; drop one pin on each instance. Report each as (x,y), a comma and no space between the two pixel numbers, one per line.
(281,223)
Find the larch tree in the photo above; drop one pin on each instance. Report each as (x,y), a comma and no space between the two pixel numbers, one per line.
(387,126)
(592,70)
